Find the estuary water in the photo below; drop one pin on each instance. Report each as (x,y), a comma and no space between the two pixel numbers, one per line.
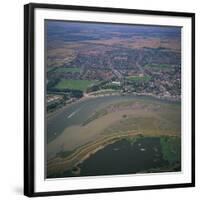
(124,157)
(77,112)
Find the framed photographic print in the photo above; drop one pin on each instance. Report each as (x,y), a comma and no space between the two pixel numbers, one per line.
(108,99)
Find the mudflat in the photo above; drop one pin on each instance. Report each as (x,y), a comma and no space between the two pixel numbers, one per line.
(108,124)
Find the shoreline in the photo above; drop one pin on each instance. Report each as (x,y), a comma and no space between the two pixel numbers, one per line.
(81,154)
(88,96)
(58,165)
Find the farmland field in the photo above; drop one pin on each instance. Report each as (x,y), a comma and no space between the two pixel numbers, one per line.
(139,78)
(75,84)
(69,69)
(159,66)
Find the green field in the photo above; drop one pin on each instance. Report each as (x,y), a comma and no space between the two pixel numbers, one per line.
(139,78)
(75,84)
(104,92)
(158,66)
(69,69)
(171,148)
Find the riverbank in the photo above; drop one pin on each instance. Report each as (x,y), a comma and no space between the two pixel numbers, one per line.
(88,96)
(58,165)
(72,163)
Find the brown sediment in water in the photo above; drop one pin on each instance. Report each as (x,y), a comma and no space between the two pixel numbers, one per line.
(122,120)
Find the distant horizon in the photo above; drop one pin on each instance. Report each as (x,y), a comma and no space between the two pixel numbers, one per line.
(79,23)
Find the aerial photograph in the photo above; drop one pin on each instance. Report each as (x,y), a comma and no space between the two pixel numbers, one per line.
(112,100)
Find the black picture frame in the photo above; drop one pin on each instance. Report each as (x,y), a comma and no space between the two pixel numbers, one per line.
(29,94)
